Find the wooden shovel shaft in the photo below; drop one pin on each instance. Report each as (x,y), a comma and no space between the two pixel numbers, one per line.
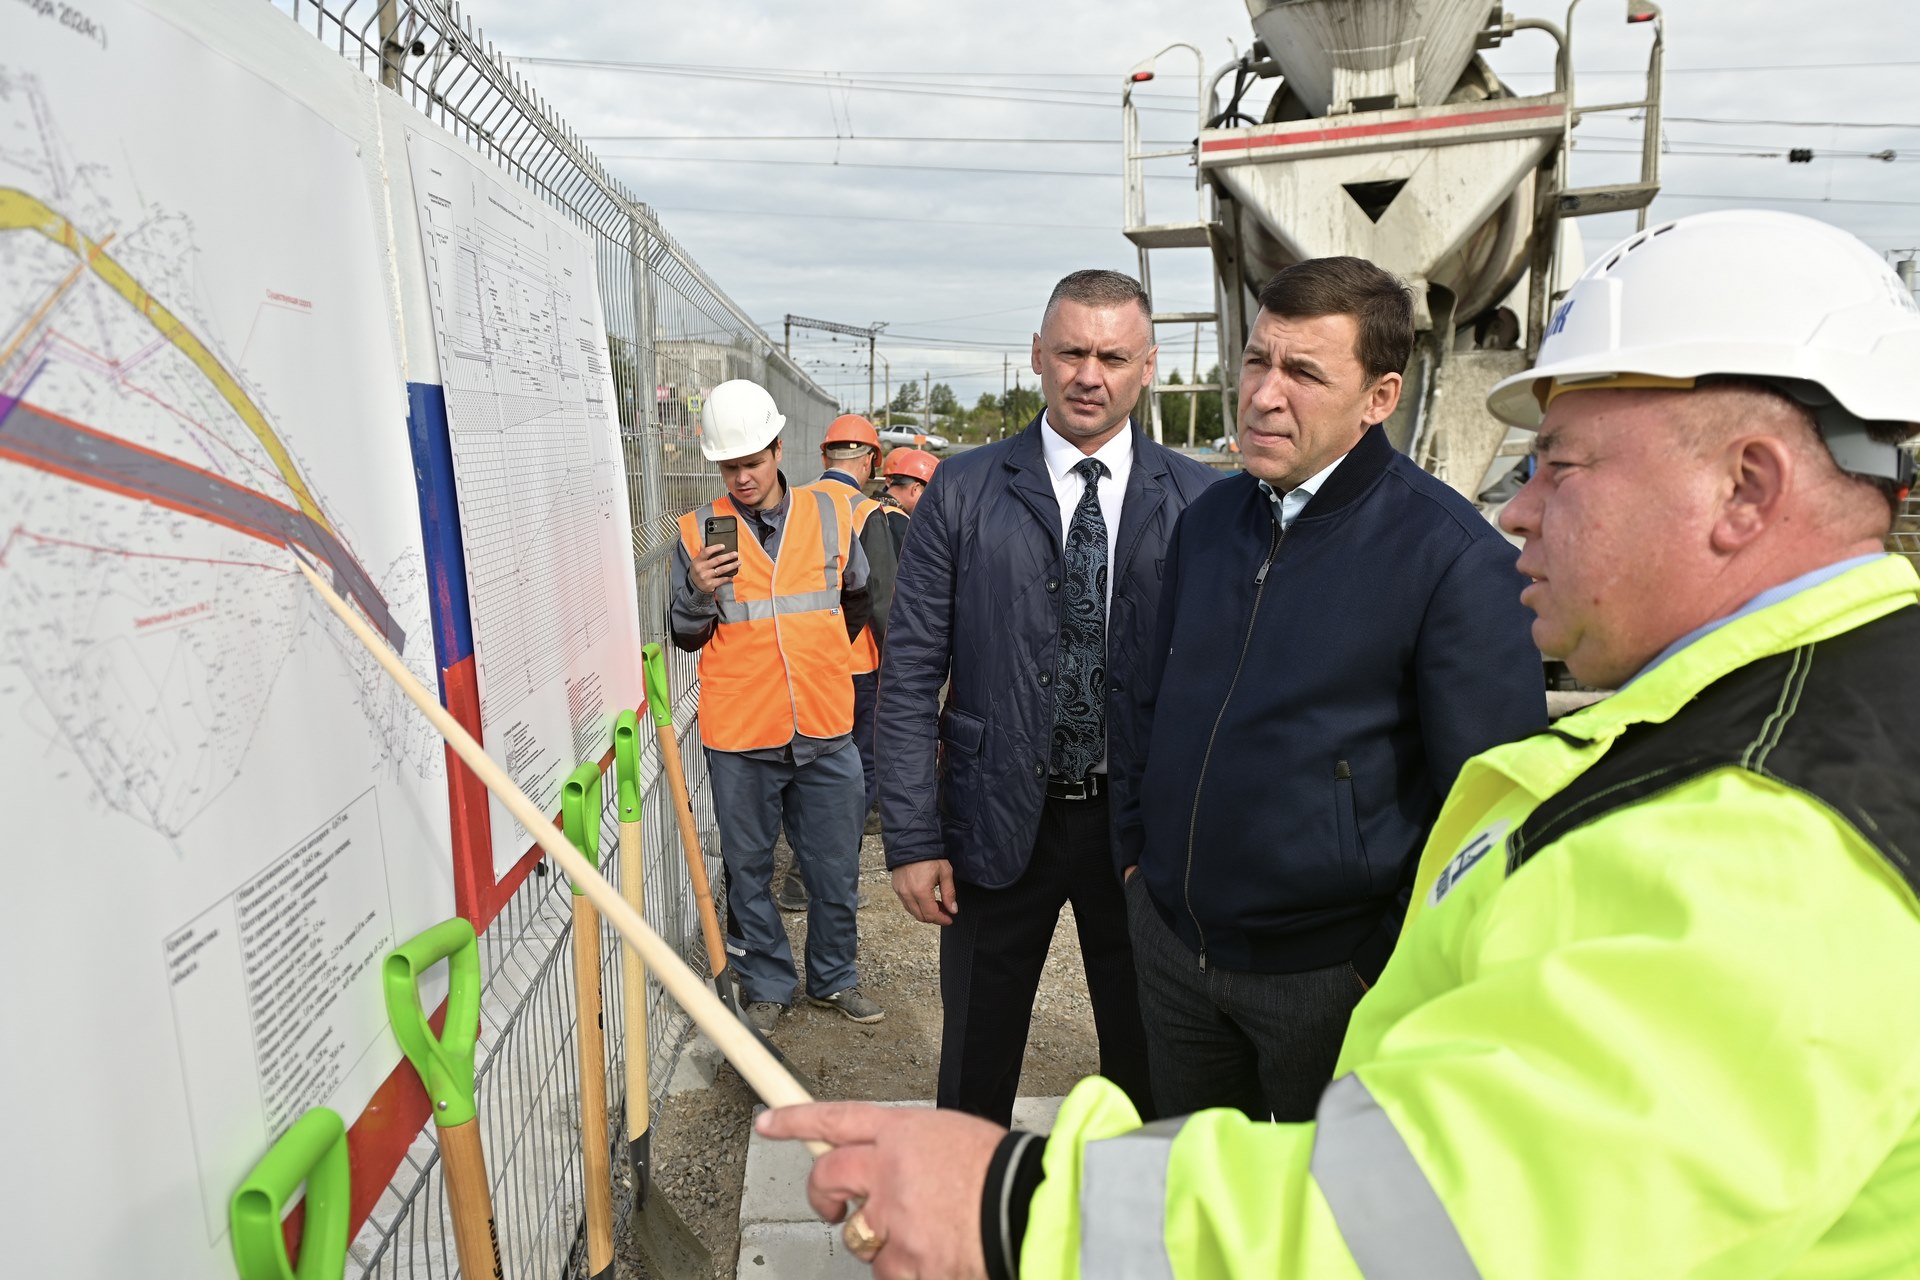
(761,1070)
(475,1238)
(633,987)
(690,845)
(595,1169)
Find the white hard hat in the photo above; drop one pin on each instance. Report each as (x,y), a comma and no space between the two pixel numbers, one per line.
(738,419)
(1782,299)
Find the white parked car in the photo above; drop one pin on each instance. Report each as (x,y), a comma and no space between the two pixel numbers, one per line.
(912,437)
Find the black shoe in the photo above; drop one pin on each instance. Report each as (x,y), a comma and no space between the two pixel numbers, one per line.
(791,893)
(853,1003)
(873,821)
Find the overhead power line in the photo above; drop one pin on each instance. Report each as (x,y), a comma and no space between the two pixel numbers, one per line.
(885,137)
(1711,71)
(1797,124)
(876,217)
(1754,195)
(836,81)
(920,168)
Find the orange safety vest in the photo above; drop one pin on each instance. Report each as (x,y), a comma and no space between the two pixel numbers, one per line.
(866,650)
(777,663)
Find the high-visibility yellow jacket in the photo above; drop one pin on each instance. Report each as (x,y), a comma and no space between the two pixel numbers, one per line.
(1655,1010)
(778,662)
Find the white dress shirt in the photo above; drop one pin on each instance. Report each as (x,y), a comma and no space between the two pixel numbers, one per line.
(1063,456)
(1288,506)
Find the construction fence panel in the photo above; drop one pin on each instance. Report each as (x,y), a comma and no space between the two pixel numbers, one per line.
(673,335)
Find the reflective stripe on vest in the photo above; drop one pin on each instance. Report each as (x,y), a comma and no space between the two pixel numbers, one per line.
(1123,1204)
(1388,1213)
(786,636)
(866,649)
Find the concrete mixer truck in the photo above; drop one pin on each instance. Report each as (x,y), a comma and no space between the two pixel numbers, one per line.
(1375,128)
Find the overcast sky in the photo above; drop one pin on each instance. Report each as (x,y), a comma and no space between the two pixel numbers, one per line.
(958,259)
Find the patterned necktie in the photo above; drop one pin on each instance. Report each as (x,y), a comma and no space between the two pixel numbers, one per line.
(1080,693)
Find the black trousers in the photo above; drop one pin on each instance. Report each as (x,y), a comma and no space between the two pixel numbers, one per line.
(1263,1042)
(992,954)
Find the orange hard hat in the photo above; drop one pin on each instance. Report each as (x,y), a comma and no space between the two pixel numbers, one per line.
(910,462)
(851,428)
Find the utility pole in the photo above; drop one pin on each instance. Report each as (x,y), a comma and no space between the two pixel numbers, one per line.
(1005,360)
(786,341)
(886,410)
(872,336)
(926,406)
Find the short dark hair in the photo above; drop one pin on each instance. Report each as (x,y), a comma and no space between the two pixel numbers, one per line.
(1096,288)
(1376,299)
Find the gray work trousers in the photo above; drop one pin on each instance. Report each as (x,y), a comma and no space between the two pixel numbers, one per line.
(820,805)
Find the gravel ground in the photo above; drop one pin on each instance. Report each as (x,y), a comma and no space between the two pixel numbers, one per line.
(700,1137)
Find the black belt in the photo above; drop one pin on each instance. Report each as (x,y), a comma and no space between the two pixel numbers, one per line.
(1091,787)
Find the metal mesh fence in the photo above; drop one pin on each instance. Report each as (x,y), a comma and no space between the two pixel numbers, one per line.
(673,335)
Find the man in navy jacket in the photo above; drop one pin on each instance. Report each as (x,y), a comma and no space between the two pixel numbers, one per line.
(1340,631)
(995,808)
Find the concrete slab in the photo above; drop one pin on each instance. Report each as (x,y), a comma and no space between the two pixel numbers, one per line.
(780,1239)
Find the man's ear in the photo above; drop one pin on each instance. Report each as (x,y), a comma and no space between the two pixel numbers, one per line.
(1384,399)
(1036,354)
(1758,472)
(1152,366)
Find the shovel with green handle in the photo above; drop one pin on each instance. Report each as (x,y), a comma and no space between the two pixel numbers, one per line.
(654,664)
(445,1064)
(663,1239)
(313,1151)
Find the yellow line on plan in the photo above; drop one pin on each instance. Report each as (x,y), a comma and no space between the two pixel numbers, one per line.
(21,212)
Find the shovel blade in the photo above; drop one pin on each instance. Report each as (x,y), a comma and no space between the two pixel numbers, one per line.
(669,1249)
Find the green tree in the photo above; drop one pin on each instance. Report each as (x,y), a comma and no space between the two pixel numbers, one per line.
(1211,424)
(942,400)
(907,398)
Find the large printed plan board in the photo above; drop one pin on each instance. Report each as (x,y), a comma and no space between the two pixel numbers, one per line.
(219,815)
(538,469)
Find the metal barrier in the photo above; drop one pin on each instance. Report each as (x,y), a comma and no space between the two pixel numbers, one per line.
(673,335)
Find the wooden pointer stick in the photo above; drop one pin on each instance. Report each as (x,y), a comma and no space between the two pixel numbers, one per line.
(762,1072)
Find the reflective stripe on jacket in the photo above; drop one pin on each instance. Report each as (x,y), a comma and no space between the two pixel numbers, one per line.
(866,649)
(1680,1038)
(778,662)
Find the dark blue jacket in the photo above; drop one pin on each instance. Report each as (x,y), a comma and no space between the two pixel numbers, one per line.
(978,597)
(1305,720)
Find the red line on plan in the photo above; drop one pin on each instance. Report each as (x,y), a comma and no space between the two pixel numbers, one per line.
(21,531)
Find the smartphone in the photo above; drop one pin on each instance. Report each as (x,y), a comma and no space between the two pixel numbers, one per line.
(724,531)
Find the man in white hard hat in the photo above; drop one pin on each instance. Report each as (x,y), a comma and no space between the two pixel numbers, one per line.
(1653,1012)
(771,587)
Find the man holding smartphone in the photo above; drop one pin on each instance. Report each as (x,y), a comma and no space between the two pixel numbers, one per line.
(772,588)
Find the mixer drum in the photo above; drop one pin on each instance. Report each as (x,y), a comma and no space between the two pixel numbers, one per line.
(1367,55)
(1481,272)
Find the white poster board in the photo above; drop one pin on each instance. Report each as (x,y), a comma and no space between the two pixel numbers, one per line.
(219,815)
(538,470)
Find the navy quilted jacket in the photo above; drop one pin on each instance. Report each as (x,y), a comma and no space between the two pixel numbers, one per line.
(978,598)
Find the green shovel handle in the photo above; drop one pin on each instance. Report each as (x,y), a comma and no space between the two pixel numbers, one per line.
(626,764)
(445,1062)
(313,1151)
(580,812)
(653,664)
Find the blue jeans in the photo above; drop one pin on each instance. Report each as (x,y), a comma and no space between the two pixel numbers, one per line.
(819,804)
(866,690)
